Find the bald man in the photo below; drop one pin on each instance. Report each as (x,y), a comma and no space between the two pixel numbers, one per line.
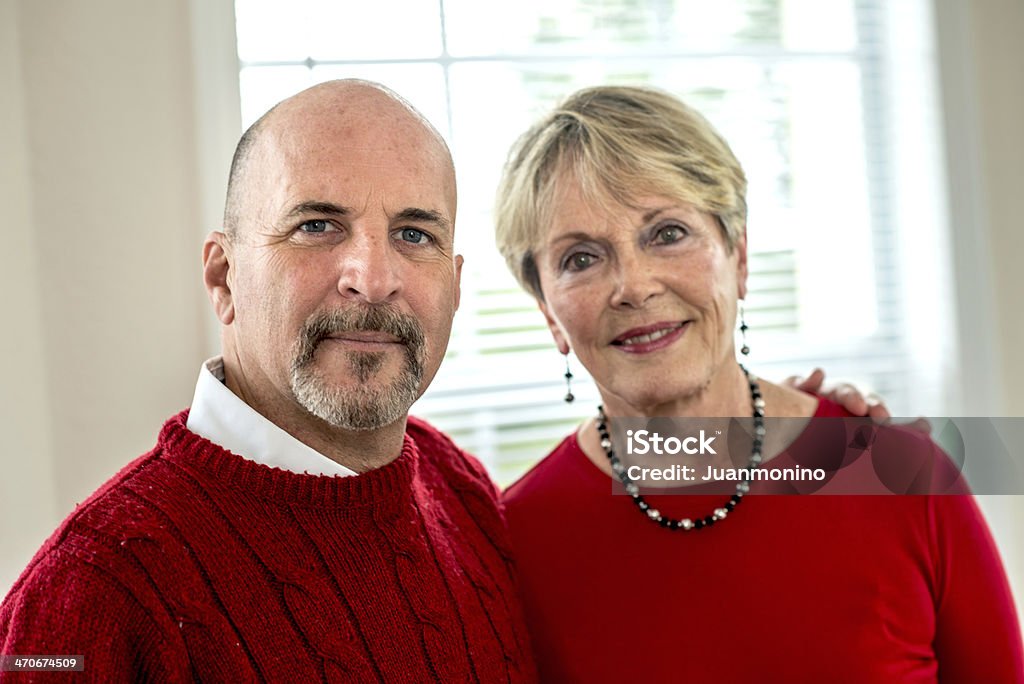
(296,524)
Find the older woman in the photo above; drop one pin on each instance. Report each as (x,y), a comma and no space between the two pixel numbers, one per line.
(623,212)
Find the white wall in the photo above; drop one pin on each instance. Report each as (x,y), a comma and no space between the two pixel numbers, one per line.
(981,60)
(996,29)
(28,504)
(102,193)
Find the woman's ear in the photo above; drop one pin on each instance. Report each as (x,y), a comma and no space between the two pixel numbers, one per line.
(741,264)
(216,266)
(561,341)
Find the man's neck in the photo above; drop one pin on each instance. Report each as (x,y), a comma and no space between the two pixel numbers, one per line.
(358,450)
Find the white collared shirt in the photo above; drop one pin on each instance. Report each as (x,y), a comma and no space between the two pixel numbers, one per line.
(220,416)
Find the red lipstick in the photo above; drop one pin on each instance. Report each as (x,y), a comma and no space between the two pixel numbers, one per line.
(649,338)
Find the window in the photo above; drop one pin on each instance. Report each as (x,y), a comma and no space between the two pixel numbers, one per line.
(809,94)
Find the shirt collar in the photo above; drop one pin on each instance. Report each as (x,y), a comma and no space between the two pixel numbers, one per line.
(220,416)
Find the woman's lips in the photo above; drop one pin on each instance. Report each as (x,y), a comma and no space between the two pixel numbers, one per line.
(650,337)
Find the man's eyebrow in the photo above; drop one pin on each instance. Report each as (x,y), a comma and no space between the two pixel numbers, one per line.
(428,215)
(314,207)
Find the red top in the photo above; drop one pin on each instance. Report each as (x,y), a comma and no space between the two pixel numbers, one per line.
(196,564)
(792,588)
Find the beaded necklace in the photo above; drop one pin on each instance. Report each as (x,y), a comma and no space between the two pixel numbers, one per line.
(653,514)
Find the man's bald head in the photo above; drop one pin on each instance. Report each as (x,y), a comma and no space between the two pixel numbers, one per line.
(330,108)
(339,225)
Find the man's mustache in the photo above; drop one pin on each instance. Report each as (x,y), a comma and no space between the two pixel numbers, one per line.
(374,318)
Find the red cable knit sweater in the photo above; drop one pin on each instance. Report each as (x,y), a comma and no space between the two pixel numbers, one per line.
(193,563)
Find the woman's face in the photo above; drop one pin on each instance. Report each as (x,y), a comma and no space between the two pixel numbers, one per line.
(645,297)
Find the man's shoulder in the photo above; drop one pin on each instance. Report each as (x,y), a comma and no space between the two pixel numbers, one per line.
(85,564)
(435,445)
(77,599)
(426,434)
(76,565)
(85,590)
(127,498)
(121,508)
(439,451)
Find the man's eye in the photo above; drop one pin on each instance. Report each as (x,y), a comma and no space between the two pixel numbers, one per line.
(414,236)
(315,226)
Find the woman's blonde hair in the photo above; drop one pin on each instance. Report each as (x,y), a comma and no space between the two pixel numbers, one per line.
(618,143)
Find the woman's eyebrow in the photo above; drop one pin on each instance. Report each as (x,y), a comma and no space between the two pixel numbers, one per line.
(655,212)
(576,235)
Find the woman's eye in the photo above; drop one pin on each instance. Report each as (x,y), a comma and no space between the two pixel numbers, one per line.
(315,226)
(669,234)
(579,261)
(414,236)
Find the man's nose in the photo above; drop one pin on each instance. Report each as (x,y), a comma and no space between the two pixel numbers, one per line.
(370,271)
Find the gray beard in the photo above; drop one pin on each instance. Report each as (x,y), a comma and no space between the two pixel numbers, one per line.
(364,406)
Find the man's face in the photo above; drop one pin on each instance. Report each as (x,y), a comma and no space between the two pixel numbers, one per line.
(342,274)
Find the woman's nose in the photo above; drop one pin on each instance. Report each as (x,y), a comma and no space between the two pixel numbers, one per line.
(636,281)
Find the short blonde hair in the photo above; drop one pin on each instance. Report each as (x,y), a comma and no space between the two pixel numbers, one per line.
(619,143)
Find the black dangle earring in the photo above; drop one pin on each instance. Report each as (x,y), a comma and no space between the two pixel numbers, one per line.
(568,382)
(745,349)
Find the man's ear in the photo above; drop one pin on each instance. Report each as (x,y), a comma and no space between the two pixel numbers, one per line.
(458,280)
(741,265)
(561,341)
(216,256)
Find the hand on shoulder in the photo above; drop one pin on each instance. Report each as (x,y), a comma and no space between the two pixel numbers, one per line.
(845,394)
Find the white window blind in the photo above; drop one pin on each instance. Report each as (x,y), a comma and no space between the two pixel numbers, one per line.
(809,93)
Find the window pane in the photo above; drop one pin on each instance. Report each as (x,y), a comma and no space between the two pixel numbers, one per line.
(420,84)
(606,27)
(263,87)
(271,30)
(381,29)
